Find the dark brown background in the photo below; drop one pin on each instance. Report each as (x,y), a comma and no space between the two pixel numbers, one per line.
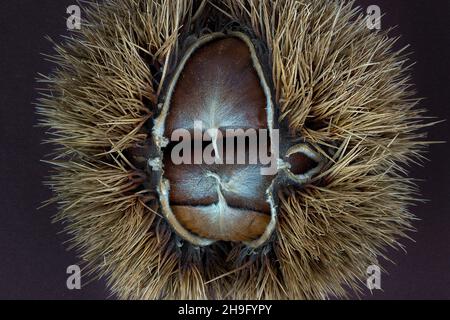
(33,258)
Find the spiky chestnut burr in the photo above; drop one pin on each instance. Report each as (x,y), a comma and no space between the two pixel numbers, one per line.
(334,84)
